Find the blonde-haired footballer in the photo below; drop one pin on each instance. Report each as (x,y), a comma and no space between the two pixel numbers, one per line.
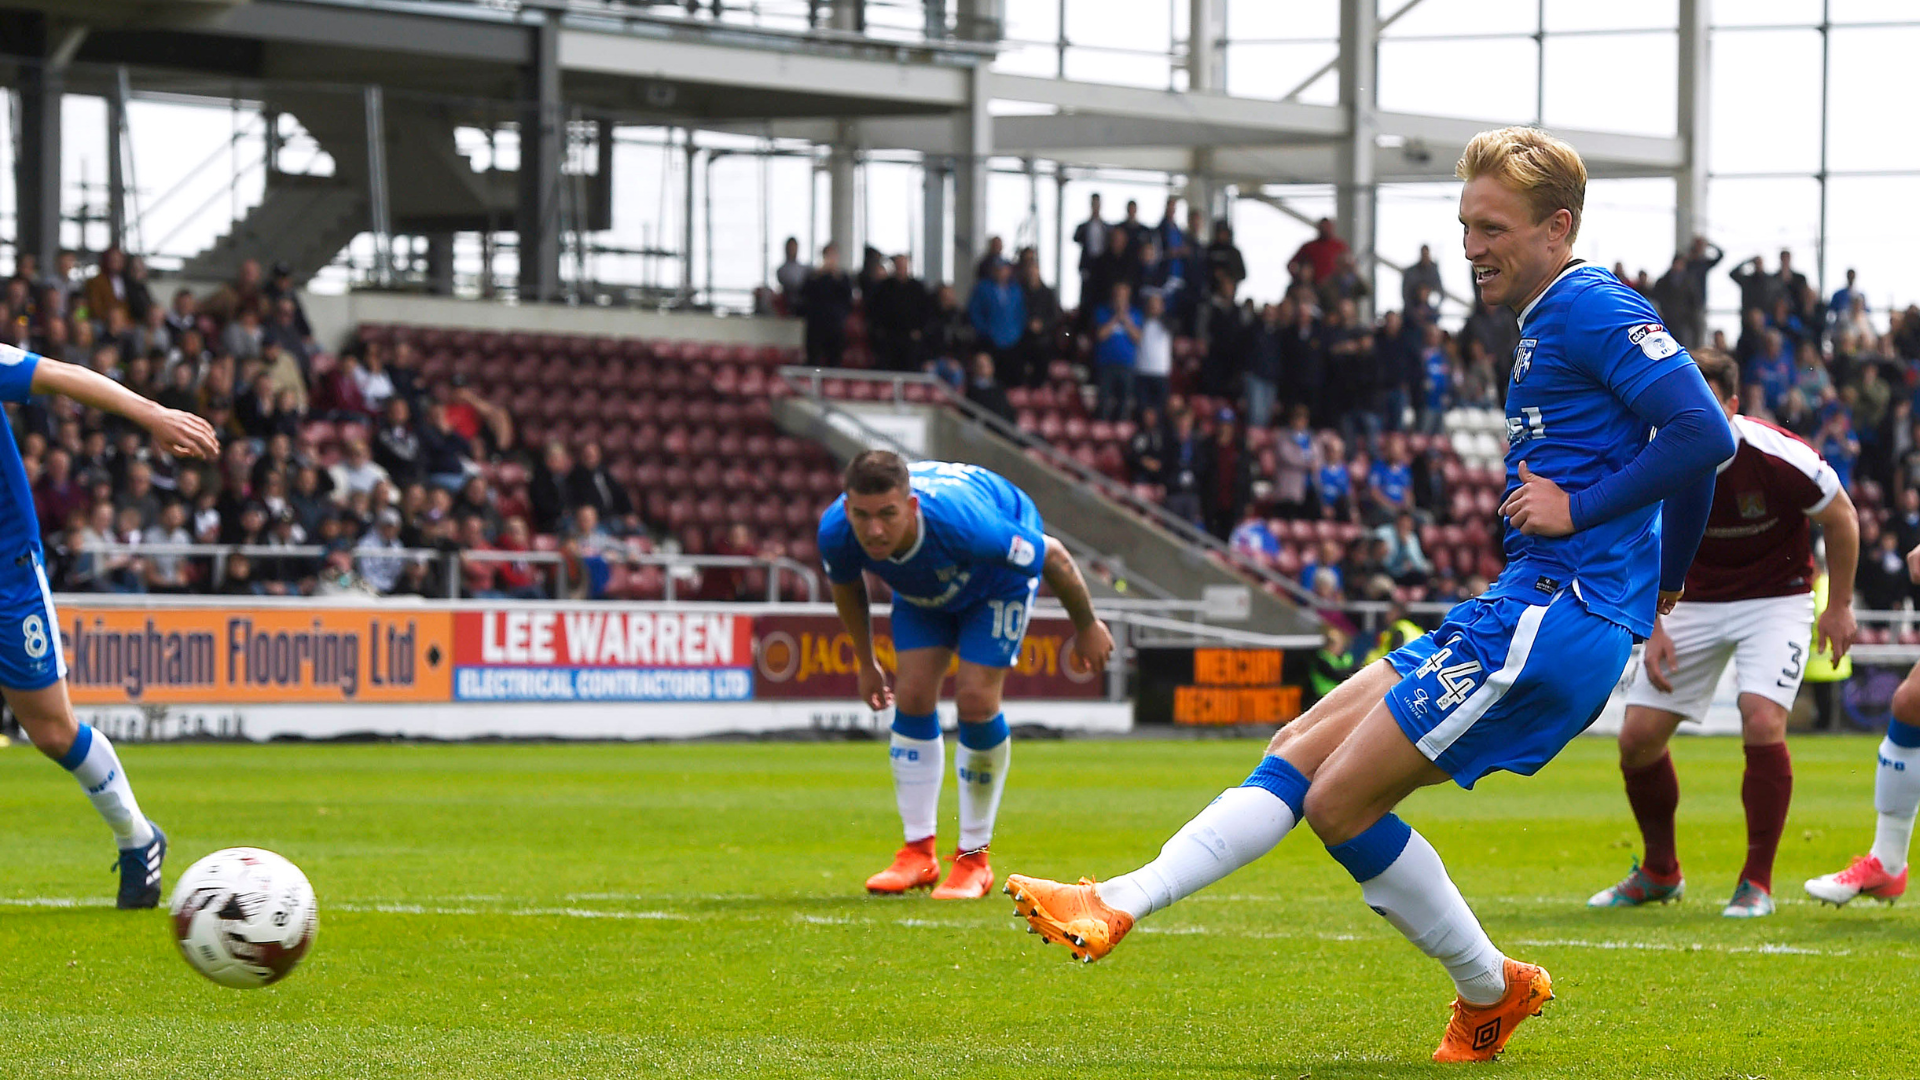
(1601,524)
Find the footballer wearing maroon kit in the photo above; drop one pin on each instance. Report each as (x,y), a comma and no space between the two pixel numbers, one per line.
(1748,598)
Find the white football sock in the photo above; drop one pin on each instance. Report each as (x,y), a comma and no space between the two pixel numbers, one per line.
(918,765)
(1896,796)
(1415,894)
(100,773)
(982,775)
(1241,825)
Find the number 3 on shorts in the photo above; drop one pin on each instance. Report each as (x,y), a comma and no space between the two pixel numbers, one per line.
(34,629)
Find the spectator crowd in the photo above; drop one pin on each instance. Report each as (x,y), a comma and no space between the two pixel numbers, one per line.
(1328,403)
(368,473)
(1310,431)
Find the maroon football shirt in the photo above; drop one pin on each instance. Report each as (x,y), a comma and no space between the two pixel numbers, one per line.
(1759,542)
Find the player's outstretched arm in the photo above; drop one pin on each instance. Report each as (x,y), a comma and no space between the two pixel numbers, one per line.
(1840,523)
(850,599)
(182,433)
(1691,438)
(1092,641)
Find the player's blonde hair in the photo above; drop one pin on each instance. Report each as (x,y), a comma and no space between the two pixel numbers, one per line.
(1547,171)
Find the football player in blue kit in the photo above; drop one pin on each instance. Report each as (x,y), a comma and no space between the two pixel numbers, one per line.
(964,552)
(33,670)
(1601,524)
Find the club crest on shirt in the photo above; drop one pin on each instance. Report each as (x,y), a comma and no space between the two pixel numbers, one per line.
(1753,504)
(1523,358)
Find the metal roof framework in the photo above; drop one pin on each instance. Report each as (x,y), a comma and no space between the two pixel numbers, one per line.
(830,84)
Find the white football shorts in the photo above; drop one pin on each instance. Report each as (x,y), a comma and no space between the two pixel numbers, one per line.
(1768,640)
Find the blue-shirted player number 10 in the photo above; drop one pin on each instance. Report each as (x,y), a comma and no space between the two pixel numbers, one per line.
(34,629)
(1009,619)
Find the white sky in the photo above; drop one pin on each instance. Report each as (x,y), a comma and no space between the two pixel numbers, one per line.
(1764,141)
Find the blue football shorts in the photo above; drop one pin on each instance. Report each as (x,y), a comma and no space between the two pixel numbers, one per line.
(1505,684)
(987,632)
(30,653)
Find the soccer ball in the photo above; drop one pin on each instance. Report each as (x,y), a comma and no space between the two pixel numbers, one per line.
(244,917)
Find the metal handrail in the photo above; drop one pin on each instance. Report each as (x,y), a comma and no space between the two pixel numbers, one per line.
(1054,457)
(219,553)
(632,18)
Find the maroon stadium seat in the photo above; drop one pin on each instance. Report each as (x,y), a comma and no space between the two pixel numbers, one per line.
(767,515)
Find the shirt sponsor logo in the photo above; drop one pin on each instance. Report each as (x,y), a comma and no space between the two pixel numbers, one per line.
(938,599)
(1753,504)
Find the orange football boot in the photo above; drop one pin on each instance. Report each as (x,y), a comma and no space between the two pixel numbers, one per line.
(1070,915)
(970,879)
(1478,1032)
(915,866)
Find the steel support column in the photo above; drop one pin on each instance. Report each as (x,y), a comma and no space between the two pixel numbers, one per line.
(37,163)
(981,20)
(973,134)
(116,164)
(848,16)
(1690,182)
(379,215)
(440,263)
(537,218)
(933,219)
(1355,199)
(841,178)
(1206,27)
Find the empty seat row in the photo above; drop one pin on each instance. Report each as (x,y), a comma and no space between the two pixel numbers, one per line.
(429,340)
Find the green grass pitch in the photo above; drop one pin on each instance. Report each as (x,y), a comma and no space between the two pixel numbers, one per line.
(695,911)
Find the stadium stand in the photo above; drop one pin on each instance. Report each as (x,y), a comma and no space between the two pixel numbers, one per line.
(1361,458)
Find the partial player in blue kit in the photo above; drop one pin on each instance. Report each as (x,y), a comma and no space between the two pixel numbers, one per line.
(964,551)
(1602,522)
(33,670)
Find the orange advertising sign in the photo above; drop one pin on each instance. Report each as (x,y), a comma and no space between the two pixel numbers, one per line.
(218,656)
(811,656)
